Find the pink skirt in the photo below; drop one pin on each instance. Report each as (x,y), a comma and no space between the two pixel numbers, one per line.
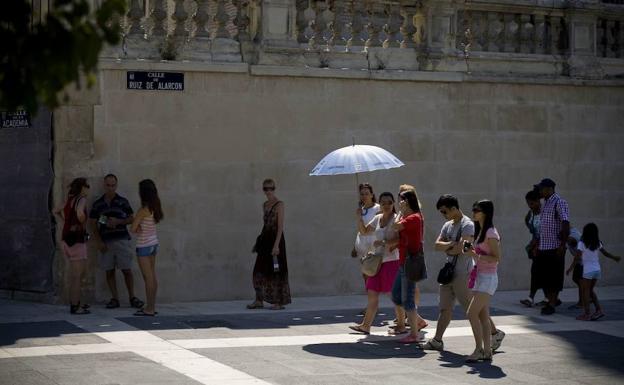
(76,252)
(383,281)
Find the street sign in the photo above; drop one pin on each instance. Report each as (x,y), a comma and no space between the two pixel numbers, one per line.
(155,81)
(17,119)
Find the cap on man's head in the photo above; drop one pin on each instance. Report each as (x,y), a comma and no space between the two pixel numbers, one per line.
(546,182)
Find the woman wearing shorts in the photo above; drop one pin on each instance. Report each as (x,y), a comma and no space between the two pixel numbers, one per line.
(144,225)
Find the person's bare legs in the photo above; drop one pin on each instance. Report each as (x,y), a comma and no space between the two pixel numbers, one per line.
(371,310)
(147,264)
(592,295)
(478,302)
(111,280)
(76,269)
(129,280)
(414,320)
(400,317)
(484,317)
(444,319)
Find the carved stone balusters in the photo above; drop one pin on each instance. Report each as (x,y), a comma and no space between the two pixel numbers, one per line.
(540,34)
(338,26)
(556,31)
(375,21)
(407,29)
(301,23)
(495,32)
(511,33)
(224,48)
(478,31)
(200,19)
(611,35)
(179,16)
(221,19)
(527,30)
(199,45)
(241,21)
(158,16)
(391,28)
(135,15)
(419,22)
(356,26)
(620,39)
(327,21)
(310,31)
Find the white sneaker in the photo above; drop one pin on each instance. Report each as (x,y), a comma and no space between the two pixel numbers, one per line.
(497,339)
(434,344)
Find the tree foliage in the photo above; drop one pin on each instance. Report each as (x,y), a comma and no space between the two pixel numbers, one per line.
(39,58)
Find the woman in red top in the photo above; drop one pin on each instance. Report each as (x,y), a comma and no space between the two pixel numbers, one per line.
(74,215)
(410,229)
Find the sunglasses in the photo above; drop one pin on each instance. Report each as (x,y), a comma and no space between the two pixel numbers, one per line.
(268,189)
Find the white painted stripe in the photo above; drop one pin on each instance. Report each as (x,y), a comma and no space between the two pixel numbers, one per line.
(37,351)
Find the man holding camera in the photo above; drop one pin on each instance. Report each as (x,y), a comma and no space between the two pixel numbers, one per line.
(457,231)
(109,217)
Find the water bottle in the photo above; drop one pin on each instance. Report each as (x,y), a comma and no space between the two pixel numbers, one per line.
(275,264)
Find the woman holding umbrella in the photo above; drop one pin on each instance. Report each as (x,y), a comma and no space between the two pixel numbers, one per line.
(381,227)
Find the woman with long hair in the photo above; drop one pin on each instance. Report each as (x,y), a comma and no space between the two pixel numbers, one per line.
(144,225)
(486,253)
(410,243)
(74,238)
(270,273)
(381,227)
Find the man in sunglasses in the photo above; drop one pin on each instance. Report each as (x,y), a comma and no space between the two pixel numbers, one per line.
(455,231)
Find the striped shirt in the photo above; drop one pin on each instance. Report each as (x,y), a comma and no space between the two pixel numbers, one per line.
(554,213)
(147,232)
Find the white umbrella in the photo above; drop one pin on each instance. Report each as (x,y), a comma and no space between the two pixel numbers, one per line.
(355,159)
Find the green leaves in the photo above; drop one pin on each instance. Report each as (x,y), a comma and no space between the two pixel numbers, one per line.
(39,59)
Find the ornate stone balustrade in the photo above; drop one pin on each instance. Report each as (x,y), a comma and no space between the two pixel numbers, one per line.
(583,39)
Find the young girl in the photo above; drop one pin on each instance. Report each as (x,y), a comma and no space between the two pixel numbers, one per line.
(144,225)
(587,252)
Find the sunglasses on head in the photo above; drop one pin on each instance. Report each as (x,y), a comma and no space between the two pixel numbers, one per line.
(268,188)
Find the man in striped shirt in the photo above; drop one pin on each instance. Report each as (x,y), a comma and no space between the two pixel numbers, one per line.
(554,231)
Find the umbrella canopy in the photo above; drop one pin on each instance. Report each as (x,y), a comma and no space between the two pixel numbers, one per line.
(355,159)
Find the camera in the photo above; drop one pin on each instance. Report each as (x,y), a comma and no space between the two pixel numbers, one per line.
(467,246)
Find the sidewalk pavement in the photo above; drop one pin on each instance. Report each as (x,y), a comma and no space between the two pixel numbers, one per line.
(308,343)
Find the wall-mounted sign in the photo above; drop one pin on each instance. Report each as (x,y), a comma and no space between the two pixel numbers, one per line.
(17,119)
(155,81)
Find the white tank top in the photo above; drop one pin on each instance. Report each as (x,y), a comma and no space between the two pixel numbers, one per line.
(147,234)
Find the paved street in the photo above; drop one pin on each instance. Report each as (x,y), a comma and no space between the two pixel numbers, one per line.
(309,343)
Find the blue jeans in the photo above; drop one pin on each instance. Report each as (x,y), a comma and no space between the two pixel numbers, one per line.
(403,291)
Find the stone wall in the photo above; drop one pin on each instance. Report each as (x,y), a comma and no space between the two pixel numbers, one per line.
(209,147)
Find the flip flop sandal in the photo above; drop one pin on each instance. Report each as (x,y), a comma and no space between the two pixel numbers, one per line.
(358,329)
(422,325)
(255,305)
(113,303)
(395,332)
(409,339)
(136,303)
(141,313)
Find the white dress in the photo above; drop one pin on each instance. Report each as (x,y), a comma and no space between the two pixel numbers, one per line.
(364,243)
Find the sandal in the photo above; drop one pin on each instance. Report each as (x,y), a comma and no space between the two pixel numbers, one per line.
(358,329)
(255,305)
(113,303)
(78,310)
(393,331)
(422,325)
(142,313)
(409,339)
(136,303)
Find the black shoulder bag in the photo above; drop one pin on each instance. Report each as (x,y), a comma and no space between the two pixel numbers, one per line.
(447,272)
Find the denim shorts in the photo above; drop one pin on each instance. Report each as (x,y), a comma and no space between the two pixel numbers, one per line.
(592,275)
(486,283)
(403,291)
(147,251)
